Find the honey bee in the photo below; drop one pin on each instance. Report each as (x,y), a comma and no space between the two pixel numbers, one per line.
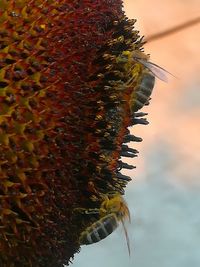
(145,71)
(113,210)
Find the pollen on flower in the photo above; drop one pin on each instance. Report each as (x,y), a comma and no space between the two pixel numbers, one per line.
(64,116)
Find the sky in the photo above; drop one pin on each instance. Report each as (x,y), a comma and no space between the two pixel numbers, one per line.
(164,195)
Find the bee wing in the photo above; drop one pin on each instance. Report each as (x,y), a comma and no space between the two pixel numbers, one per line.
(127,238)
(156,70)
(129,216)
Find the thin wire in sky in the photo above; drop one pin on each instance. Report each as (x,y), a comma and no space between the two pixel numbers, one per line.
(173,30)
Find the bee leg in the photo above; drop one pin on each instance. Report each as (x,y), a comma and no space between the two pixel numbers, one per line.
(92,211)
(86,211)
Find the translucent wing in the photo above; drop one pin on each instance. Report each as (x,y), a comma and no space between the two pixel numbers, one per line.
(127,238)
(156,70)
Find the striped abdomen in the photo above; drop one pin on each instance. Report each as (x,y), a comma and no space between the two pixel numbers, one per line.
(99,230)
(143,91)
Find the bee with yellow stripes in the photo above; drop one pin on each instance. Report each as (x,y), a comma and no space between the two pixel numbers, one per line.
(142,75)
(112,211)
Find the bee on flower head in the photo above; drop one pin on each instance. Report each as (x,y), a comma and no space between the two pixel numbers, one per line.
(112,211)
(142,76)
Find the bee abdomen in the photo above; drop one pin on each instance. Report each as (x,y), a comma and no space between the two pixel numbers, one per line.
(143,91)
(99,230)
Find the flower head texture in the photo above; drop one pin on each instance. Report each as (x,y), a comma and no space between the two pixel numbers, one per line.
(66,100)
